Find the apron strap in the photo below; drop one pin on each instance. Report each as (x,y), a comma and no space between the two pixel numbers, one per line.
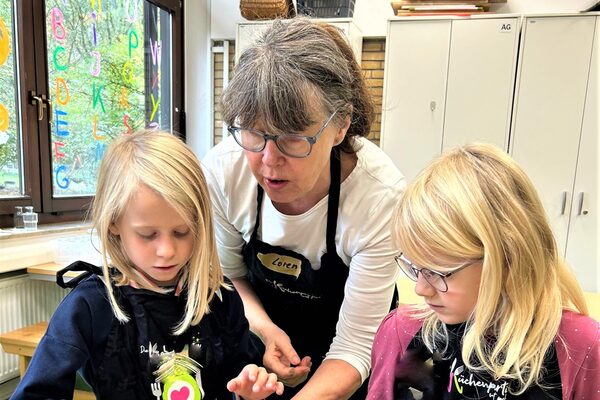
(335,165)
(335,168)
(78,266)
(259,199)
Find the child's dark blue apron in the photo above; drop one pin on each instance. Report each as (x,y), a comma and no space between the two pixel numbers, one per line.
(303,302)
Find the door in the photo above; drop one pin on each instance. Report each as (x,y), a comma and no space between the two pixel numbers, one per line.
(481,76)
(414,92)
(550,96)
(583,239)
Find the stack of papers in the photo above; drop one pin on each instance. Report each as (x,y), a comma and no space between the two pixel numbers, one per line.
(443,7)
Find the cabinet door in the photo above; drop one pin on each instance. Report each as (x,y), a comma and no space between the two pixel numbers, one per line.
(481,74)
(414,92)
(550,96)
(583,240)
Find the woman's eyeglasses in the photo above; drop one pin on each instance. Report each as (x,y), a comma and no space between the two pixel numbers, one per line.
(297,146)
(436,279)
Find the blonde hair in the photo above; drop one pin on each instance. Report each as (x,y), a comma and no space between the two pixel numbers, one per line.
(166,165)
(476,203)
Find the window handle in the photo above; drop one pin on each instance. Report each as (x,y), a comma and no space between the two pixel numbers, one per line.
(48,106)
(38,101)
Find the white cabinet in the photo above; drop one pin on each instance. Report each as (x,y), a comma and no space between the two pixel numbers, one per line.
(448,81)
(555,131)
(583,240)
(248,31)
(414,92)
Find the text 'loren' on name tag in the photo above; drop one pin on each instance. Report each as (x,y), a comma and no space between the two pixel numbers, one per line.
(281,264)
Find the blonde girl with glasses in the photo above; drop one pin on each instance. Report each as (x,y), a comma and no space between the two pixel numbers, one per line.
(302,204)
(503,315)
(157,320)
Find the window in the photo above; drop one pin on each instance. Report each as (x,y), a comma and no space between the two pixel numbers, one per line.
(73,76)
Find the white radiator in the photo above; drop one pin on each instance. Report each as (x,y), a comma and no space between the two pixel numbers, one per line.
(24,301)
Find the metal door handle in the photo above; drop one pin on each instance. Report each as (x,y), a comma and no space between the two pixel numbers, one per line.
(581,210)
(563,205)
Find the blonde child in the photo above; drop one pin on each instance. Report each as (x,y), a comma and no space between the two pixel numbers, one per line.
(157,320)
(503,316)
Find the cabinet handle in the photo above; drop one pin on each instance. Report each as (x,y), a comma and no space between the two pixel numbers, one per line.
(432,105)
(563,204)
(581,210)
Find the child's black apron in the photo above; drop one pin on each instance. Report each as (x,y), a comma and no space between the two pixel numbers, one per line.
(303,302)
(126,373)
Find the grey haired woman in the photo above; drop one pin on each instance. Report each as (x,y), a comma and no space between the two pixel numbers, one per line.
(302,204)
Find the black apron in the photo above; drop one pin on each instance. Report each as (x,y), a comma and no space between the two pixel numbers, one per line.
(445,376)
(303,302)
(125,373)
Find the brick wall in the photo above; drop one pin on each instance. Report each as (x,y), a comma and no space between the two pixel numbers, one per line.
(218,87)
(373,56)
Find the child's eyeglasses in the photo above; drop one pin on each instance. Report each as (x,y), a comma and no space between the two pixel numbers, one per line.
(436,279)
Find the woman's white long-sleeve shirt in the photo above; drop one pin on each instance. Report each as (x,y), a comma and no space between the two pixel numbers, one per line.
(367,199)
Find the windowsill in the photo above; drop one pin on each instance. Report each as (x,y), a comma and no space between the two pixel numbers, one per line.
(44,230)
(60,243)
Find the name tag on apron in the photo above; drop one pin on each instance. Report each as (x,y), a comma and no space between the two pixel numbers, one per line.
(281,264)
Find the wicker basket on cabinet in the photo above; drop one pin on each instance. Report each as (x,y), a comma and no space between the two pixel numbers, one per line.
(266,9)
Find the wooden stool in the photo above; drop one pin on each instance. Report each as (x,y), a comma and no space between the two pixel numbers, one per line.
(23,343)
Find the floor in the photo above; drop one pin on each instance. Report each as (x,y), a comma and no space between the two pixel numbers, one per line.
(7,388)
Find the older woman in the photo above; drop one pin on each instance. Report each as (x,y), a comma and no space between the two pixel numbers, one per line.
(303,204)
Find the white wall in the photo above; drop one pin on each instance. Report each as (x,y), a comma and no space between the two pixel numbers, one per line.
(543,6)
(198,88)
(207,20)
(371,15)
(226,14)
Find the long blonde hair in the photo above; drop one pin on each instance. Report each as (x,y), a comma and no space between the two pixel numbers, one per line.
(476,203)
(166,165)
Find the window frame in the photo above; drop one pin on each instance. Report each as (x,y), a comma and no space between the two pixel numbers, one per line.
(31,62)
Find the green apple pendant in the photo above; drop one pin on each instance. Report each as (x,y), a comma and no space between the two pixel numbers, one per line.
(180,385)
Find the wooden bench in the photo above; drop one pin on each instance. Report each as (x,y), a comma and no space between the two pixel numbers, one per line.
(47,271)
(23,343)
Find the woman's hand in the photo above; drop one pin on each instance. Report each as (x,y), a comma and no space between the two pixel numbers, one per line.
(281,358)
(255,383)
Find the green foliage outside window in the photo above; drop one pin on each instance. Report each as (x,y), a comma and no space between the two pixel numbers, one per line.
(10,167)
(96,83)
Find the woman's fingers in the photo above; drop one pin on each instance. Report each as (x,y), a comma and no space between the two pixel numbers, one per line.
(297,375)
